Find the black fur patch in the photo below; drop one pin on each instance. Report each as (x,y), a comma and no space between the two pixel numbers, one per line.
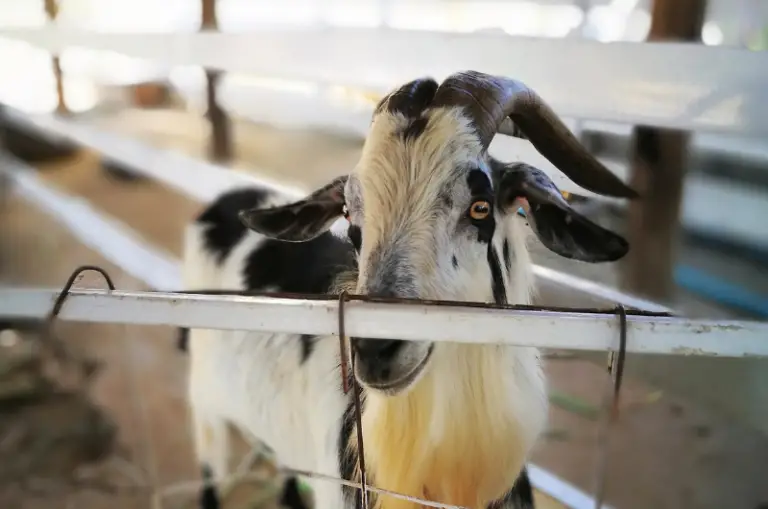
(292,267)
(209,498)
(519,497)
(479,183)
(307,346)
(414,129)
(507,254)
(347,458)
(454,262)
(355,235)
(497,277)
(298,267)
(182,339)
(223,228)
(410,99)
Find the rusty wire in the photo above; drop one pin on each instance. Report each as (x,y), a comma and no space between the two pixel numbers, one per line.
(87,366)
(343,345)
(71,281)
(615,368)
(356,398)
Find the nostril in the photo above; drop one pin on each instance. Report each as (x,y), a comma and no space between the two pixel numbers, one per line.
(380,348)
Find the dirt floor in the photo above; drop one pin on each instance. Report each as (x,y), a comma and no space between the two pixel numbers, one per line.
(666,452)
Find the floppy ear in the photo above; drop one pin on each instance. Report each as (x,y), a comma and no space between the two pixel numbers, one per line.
(558,226)
(302,220)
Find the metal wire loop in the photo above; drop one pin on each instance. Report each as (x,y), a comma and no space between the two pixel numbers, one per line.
(343,355)
(60,352)
(347,379)
(57,305)
(616,371)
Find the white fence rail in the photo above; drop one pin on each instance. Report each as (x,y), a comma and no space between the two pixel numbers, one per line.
(718,89)
(400,320)
(113,240)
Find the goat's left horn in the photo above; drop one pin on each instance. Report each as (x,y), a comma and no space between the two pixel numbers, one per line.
(489,100)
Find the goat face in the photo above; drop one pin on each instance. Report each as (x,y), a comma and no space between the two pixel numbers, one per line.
(428,210)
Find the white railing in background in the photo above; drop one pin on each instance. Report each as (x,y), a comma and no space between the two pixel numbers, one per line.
(719,89)
(107,142)
(113,240)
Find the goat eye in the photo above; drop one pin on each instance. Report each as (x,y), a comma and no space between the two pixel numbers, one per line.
(479,210)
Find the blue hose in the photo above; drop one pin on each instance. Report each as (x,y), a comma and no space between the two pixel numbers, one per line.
(721,291)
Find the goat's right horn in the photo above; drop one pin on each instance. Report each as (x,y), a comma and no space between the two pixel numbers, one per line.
(489,100)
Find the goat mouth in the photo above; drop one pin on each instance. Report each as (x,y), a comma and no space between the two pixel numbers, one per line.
(395,386)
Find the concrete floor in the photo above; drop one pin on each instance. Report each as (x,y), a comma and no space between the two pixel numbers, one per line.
(670,450)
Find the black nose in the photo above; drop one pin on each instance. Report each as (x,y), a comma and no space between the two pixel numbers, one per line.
(377,349)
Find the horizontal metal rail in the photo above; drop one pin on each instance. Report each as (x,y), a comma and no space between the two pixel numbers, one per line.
(148,162)
(719,88)
(195,178)
(593,330)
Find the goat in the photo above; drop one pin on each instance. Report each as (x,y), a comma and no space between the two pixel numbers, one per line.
(426,213)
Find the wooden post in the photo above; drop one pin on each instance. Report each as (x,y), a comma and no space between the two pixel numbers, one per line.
(221,130)
(52,9)
(659,159)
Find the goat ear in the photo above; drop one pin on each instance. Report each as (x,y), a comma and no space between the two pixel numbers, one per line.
(558,226)
(301,220)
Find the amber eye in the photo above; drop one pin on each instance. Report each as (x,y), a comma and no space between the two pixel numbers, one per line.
(480,210)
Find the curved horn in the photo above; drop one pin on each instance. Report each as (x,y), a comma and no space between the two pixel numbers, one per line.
(489,100)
